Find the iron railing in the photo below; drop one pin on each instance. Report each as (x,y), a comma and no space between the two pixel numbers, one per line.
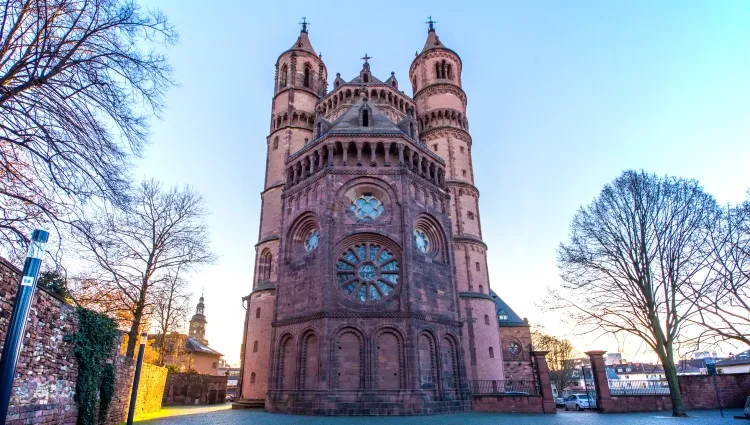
(638,387)
(503,387)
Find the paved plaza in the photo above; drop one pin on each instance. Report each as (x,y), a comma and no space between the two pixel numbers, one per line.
(257,417)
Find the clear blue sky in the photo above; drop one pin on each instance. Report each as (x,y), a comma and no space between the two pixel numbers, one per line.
(562,97)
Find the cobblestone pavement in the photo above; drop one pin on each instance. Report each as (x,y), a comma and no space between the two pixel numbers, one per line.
(257,417)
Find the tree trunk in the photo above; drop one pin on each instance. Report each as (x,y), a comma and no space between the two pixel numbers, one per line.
(133,335)
(670,372)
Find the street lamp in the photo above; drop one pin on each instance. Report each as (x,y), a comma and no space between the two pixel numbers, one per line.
(17,326)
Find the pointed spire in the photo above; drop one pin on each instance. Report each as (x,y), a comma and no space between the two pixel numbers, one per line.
(303,41)
(433,41)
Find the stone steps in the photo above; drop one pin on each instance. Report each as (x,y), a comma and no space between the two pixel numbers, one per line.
(249,404)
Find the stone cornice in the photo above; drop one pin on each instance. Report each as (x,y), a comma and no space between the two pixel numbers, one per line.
(468,239)
(367,315)
(304,89)
(444,85)
(266,239)
(432,52)
(424,133)
(461,183)
(273,186)
(475,295)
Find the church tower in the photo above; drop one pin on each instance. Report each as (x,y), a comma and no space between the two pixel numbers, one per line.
(299,83)
(435,76)
(198,323)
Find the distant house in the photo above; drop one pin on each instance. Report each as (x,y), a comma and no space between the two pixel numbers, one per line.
(739,363)
(233,376)
(189,352)
(651,371)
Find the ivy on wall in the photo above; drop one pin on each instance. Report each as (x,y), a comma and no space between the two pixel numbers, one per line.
(94,343)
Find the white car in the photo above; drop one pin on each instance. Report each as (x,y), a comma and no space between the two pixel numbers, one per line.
(579,402)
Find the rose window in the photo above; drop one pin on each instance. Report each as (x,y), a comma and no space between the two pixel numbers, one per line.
(312,239)
(514,348)
(367,207)
(367,273)
(423,242)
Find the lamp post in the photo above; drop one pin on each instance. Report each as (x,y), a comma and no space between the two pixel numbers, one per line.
(137,377)
(17,326)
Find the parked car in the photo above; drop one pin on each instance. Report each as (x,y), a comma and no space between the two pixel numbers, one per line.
(579,402)
(559,401)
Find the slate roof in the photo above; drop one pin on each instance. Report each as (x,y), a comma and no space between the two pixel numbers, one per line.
(513,318)
(192,345)
(348,122)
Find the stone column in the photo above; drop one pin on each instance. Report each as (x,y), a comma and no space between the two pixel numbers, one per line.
(545,384)
(604,402)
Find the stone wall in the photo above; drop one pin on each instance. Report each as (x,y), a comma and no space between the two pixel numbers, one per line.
(507,403)
(190,389)
(697,393)
(47,370)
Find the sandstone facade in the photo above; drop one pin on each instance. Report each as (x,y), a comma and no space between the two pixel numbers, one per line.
(371,291)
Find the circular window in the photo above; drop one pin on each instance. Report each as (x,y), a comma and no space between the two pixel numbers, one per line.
(312,239)
(367,273)
(367,207)
(514,348)
(423,242)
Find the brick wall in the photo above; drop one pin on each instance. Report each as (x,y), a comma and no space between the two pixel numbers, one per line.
(46,374)
(697,393)
(186,388)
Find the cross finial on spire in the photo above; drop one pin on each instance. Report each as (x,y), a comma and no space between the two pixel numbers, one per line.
(431,23)
(304,24)
(366,58)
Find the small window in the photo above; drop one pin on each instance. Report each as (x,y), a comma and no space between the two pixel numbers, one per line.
(463,172)
(481,289)
(492,353)
(434,147)
(255,347)
(252,378)
(275,142)
(477,266)
(393,83)
(306,80)
(470,215)
(461,149)
(486,319)
(365,118)
(257,313)
(282,77)
(366,78)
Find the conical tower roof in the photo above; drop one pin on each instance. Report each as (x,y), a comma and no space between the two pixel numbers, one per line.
(433,41)
(303,43)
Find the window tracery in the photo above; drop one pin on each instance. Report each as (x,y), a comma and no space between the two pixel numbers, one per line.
(367,207)
(367,272)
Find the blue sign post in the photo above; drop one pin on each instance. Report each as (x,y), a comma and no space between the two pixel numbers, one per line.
(17,325)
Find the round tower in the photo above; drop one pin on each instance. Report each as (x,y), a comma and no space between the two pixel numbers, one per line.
(300,81)
(435,75)
(198,322)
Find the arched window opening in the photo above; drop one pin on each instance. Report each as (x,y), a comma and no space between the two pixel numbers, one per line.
(448,72)
(470,215)
(283,76)
(411,130)
(486,320)
(252,378)
(393,83)
(365,118)
(366,78)
(255,347)
(257,313)
(437,70)
(492,353)
(266,262)
(275,142)
(336,84)
(306,79)
(481,289)
(320,129)
(477,266)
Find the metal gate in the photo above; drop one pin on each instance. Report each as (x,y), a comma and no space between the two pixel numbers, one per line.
(589,385)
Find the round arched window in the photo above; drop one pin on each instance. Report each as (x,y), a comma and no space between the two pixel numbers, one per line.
(367,207)
(367,273)
(423,242)
(312,239)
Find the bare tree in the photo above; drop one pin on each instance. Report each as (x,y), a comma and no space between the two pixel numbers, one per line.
(170,310)
(134,252)
(78,79)
(631,252)
(559,353)
(723,300)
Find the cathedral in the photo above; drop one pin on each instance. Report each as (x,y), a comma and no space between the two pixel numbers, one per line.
(371,292)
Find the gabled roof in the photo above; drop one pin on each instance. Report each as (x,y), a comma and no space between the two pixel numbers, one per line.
(358,80)
(349,121)
(192,345)
(513,318)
